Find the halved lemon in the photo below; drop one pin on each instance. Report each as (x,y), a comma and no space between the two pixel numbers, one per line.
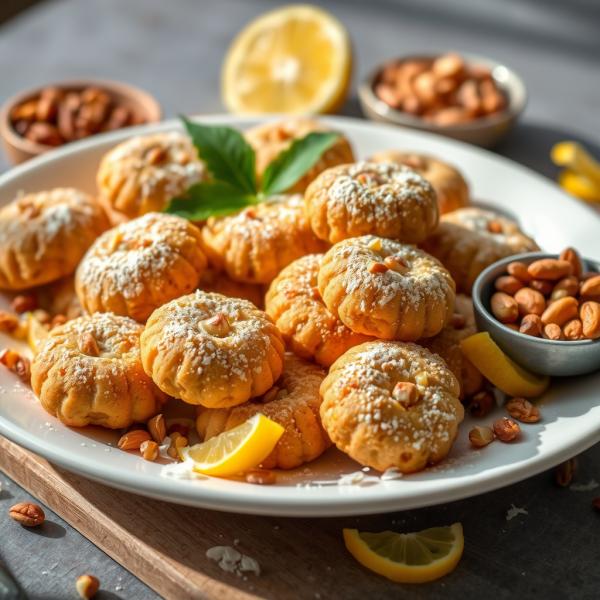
(295,59)
(236,450)
(504,373)
(36,332)
(408,557)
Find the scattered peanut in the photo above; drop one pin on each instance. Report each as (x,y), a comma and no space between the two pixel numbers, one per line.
(377,267)
(57,321)
(523,410)
(157,429)
(182,430)
(177,441)
(506,429)
(482,403)
(566,471)
(149,450)
(8,322)
(270,395)
(481,435)
(87,586)
(43,316)
(24,303)
(9,358)
(134,439)
(23,369)
(27,514)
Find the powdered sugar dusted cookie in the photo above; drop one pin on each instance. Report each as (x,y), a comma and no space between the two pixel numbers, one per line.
(389,404)
(293,402)
(212,350)
(450,187)
(89,372)
(43,236)
(255,244)
(139,265)
(383,199)
(144,173)
(270,139)
(219,283)
(386,289)
(308,328)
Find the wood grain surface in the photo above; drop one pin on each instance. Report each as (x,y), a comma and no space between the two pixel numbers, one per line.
(165,544)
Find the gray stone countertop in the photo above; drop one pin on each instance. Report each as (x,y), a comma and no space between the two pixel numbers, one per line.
(174,50)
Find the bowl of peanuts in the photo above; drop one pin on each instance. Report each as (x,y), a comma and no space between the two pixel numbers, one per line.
(46,117)
(462,96)
(543,311)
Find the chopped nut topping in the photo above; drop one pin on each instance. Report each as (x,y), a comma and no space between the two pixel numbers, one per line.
(422,379)
(369,179)
(405,393)
(375,245)
(156,155)
(398,264)
(377,267)
(523,410)
(88,345)
(217,325)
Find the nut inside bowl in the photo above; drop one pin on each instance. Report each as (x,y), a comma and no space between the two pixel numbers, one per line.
(124,97)
(546,357)
(484,131)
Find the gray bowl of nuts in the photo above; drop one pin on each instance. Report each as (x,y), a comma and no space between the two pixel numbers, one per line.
(543,311)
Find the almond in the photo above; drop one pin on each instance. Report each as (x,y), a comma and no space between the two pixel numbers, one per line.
(571,256)
(530,302)
(550,269)
(157,428)
(509,285)
(504,307)
(561,311)
(590,319)
(591,287)
(27,514)
(134,439)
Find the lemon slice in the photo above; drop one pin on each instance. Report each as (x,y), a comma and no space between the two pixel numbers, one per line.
(408,557)
(504,373)
(579,185)
(36,332)
(236,450)
(295,59)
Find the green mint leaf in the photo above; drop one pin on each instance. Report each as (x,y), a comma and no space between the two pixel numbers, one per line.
(227,155)
(293,163)
(203,200)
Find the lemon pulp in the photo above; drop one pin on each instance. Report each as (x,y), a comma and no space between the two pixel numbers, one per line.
(295,59)
(236,450)
(408,557)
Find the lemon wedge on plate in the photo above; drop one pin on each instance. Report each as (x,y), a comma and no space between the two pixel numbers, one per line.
(504,373)
(295,59)
(236,450)
(36,332)
(408,557)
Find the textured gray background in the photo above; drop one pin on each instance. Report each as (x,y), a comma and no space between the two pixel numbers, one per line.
(174,50)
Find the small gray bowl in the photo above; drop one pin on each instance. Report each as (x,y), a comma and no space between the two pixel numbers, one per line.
(484,131)
(546,357)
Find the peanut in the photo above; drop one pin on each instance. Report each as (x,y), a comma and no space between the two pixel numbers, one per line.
(561,311)
(550,269)
(504,307)
(566,471)
(571,256)
(9,358)
(377,267)
(482,403)
(530,302)
(405,393)
(591,287)
(523,410)
(24,303)
(590,320)
(8,322)
(512,326)
(519,270)
(481,435)
(134,439)
(27,514)
(157,428)
(531,325)
(87,586)
(396,263)
(573,330)
(149,450)
(570,284)
(508,284)
(88,345)
(506,429)
(552,332)
(23,369)
(541,286)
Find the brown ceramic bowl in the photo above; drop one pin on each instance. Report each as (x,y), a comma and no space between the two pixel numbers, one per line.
(19,149)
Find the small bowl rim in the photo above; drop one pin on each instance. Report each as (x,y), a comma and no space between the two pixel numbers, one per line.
(490,318)
(516,104)
(126,89)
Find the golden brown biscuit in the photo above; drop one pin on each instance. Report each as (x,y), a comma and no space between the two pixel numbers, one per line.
(43,236)
(255,244)
(144,173)
(308,328)
(389,404)
(450,187)
(466,246)
(293,402)
(270,139)
(212,350)
(89,372)
(383,199)
(447,345)
(218,283)
(389,290)
(140,265)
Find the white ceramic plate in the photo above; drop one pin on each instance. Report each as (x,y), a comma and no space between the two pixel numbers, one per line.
(570,410)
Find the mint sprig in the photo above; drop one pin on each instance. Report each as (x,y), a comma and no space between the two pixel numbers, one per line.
(231,162)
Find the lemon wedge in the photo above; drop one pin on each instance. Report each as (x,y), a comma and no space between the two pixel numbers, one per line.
(576,159)
(504,373)
(295,59)
(579,185)
(36,332)
(408,557)
(236,450)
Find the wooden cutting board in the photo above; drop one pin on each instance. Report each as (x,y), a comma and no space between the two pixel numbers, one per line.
(164,544)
